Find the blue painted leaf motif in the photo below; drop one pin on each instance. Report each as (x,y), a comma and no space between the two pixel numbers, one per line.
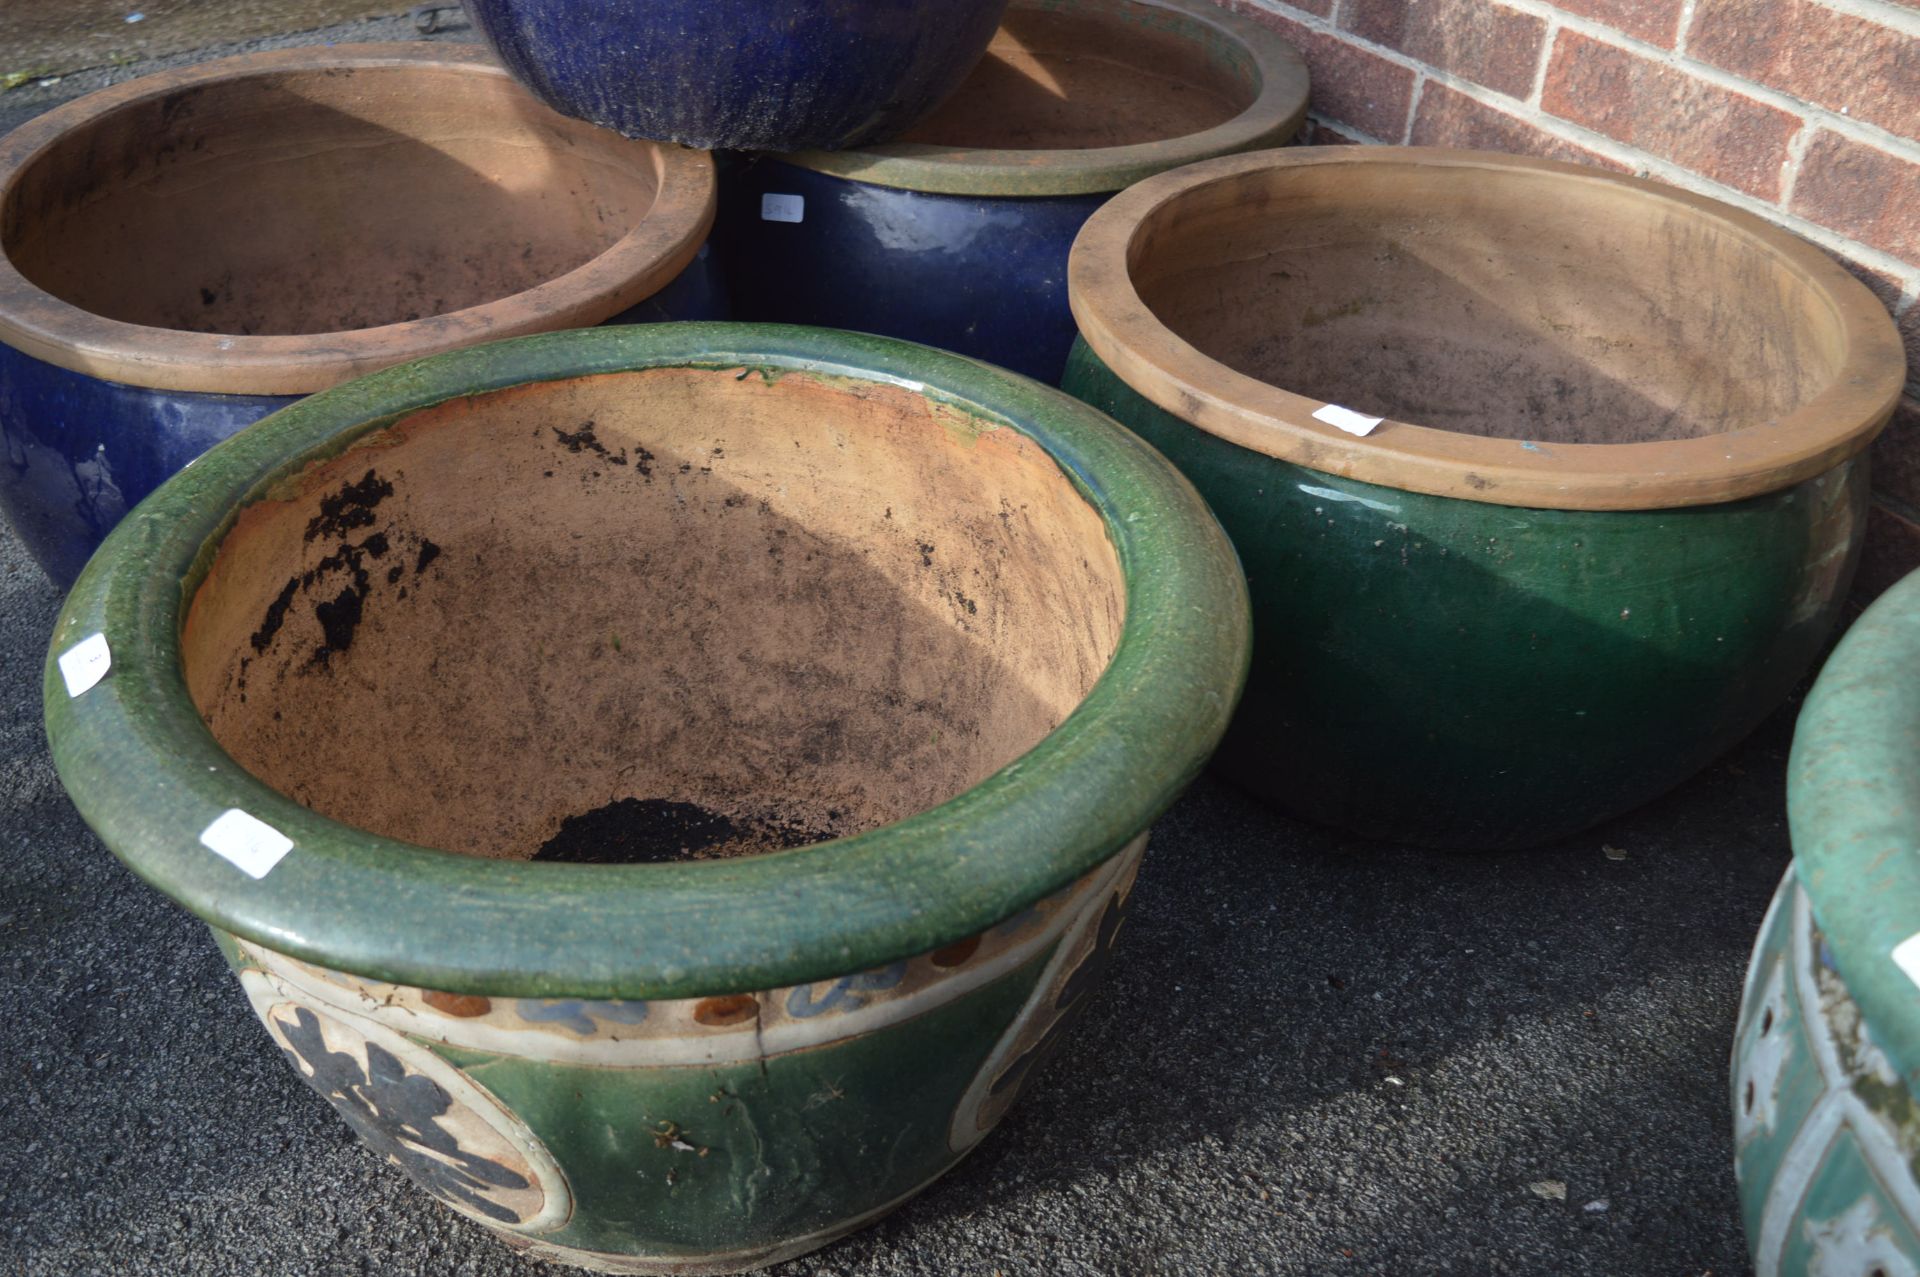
(845,994)
(398,1114)
(579,1016)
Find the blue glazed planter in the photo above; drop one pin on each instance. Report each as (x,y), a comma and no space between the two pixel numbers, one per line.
(172,268)
(957,236)
(776,75)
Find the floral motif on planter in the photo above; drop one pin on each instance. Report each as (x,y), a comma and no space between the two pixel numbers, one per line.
(723,749)
(1059,997)
(1825,1132)
(448,1136)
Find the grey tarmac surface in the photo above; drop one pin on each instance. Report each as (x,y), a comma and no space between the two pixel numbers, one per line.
(1312,1055)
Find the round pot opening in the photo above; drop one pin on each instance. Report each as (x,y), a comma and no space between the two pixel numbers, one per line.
(1090,75)
(1509,301)
(315,200)
(653,615)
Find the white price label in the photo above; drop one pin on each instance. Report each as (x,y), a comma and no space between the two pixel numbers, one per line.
(1354,423)
(251,844)
(783,208)
(1906,955)
(85,663)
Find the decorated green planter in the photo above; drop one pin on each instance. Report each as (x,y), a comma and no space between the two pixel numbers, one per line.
(668,787)
(1826,1061)
(1619,532)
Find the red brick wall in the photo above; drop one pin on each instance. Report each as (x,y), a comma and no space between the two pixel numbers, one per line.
(1806,112)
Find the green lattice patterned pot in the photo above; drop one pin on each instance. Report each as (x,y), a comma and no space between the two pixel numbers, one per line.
(1825,1060)
(870,663)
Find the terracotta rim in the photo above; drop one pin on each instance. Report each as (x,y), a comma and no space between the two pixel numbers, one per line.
(632,269)
(1834,425)
(1853,808)
(149,777)
(1271,119)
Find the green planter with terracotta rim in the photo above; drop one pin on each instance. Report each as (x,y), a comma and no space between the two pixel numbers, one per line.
(1548,482)
(1826,1059)
(667,787)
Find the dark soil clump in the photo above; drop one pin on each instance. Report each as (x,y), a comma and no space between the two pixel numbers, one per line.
(655,831)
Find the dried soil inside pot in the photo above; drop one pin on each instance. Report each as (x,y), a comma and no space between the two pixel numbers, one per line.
(795,606)
(1510,304)
(1085,76)
(294,202)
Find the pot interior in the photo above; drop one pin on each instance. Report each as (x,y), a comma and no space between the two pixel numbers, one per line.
(1526,305)
(1093,73)
(647,615)
(320,201)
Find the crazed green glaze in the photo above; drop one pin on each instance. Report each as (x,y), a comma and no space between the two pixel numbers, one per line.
(669,1139)
(1451,672)
(148,777)
(1827,1061)
(695,1067)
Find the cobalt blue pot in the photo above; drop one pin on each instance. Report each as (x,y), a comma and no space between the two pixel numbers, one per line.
(774,75)
(186,253)
(957,235)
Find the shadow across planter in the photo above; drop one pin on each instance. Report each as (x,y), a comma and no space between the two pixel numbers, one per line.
(185,253)
(1619,531)
(638,773)
(957,234)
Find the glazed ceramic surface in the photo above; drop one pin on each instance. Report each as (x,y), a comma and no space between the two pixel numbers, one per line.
(1499,634)
(280,682)
(776,75)
(957,235)
(1824,1064)
(106,389)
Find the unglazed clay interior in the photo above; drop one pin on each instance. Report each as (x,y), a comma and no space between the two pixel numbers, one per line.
(1513,304)
(1093,74)
(311,202)
(643,615)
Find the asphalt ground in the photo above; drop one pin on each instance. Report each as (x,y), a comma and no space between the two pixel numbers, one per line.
(1312,1055)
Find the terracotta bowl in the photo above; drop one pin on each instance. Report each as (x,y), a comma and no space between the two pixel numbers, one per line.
(184,253)
(1826,1061)
(638,773)
(1607,498)
(957,234)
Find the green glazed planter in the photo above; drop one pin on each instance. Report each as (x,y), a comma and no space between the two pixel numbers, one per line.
(1615,559)
(1826,1060)
(909,651)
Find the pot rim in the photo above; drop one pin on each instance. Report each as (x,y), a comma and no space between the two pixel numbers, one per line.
(1853,811)
(632,269)
(1272,118)
(148,776)
(1835,424)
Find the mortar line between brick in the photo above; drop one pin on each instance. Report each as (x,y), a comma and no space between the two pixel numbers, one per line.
(1858,130)
(1871,134)
(1413,106)
(1547,41)
(1797,147)
(1360,135)
(1685,27)
(1675,175)
(1895,17)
